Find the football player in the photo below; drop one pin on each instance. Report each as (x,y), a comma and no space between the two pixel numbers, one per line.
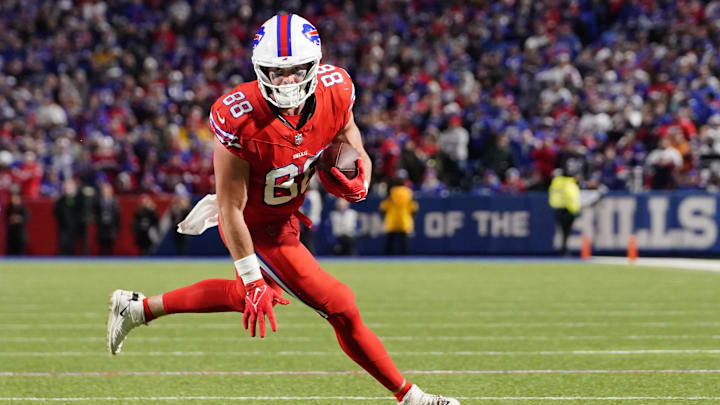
(269,132)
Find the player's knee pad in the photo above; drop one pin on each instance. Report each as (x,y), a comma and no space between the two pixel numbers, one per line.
(341,302)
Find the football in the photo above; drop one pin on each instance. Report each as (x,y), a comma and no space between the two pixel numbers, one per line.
(340,155)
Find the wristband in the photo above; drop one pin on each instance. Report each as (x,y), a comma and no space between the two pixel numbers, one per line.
(248,269)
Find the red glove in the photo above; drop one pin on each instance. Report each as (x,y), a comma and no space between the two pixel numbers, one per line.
(353,190)
(259,301)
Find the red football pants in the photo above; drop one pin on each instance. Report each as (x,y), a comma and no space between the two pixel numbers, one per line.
(287,264)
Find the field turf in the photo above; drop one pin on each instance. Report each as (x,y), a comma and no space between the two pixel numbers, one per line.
(488,332)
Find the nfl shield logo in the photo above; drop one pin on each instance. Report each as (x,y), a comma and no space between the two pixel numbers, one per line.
(298,139)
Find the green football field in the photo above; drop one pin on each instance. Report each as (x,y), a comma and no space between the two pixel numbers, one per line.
(487,332)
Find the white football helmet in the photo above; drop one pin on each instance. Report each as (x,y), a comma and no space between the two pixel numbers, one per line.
(285,41)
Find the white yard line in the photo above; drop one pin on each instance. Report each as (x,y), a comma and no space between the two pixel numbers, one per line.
(349,398)
(484,306)
(400,314)
(349,372)
(411,325)
(664,262)
(393,353)
(85,339)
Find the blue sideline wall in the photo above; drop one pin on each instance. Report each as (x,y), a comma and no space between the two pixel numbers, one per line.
(678,223)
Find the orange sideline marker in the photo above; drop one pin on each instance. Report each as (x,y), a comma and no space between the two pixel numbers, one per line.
(585,248)
(632,251)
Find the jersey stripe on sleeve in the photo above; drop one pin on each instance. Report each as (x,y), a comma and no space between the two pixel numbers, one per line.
(226,138)
(352,98)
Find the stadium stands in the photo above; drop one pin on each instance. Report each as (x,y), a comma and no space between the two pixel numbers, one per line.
(484,97)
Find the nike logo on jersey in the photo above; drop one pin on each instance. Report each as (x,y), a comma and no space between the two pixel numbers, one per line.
(220,118)
(122,312)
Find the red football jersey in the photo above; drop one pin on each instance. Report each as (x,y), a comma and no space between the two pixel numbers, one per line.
(281,158)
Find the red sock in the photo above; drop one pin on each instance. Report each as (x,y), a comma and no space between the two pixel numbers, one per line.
(148,314)
(401,394)
(213,295)
(364,347)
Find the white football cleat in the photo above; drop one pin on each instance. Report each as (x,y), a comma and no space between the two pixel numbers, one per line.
(126,313)
(416,396)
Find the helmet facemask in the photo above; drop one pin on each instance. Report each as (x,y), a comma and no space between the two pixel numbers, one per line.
(287,95)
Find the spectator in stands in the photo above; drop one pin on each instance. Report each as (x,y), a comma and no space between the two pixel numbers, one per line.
(665,162)
(343,221)
(6,176)
(399,208)
(29,174)
(489,184)
(431,185)
(145,225)
(414,162)
(513,183)
(51,185)
(544,157)
(498,157)
(711,133)
(453,145)
(16,224)
(107,219)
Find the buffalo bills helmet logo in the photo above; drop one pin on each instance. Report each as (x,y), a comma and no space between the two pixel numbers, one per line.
(259,36)
(311,33)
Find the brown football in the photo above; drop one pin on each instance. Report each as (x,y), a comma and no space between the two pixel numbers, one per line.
(340,155)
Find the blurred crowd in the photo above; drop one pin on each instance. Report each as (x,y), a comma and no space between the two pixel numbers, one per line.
(475,96)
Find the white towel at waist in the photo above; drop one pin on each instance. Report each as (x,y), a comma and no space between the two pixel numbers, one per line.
(204,215)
